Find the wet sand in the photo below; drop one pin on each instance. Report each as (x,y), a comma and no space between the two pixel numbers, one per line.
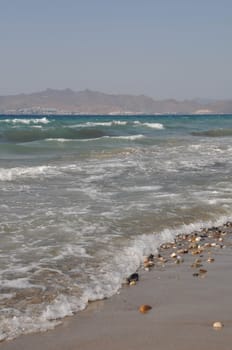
(185,301)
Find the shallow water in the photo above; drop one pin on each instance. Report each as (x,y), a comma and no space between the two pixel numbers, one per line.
(83,199)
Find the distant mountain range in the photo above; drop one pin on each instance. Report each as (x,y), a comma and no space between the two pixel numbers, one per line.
(68,101)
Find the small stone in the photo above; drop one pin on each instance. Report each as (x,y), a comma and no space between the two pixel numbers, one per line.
(217,325)
(144,308)
(197,263)
(193,246)
(183,251)
(195,274)
(162,259)
(179,259)
(173,255)
(148,262)
(207,245)
(134,277)
(150,257)
(210,260)
(132,283)
(166,245)
(202,272)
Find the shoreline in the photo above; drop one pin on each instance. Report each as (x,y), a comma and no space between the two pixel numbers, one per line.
(186,291)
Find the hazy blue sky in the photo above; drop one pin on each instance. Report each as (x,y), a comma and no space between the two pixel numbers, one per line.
(161,48)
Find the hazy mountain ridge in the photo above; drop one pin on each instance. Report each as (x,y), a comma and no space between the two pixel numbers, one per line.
(94,102)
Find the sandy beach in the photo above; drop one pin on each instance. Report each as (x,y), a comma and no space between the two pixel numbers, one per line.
(186,297)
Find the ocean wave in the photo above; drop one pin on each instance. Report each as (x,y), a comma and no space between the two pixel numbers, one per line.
(129,137)
(214,133)
(96,124)
(157,126)
(59,140)
(38,134)
(28,121)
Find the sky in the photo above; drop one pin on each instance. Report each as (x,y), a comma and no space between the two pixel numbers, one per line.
(178,49)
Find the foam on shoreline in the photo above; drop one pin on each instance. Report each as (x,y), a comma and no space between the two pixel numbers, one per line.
(209,239)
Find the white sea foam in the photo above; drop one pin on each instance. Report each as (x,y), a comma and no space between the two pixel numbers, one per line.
(104,284)
(59,140)
(142,188)
(27,121)
(93,124)
(158,126)
(6,295)
(154,125)
(24,324)
(11,174)
(19,283)
(129,137)
(18,172)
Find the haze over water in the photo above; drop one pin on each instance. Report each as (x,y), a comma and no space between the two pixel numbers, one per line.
(83,199)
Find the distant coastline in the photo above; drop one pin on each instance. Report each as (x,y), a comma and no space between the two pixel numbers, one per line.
(88,102)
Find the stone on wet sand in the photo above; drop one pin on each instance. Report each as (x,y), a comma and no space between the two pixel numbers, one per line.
(202,272)
(145,308)
(133,278)
(179,259)
(149,261)
(132,283)
(217,325)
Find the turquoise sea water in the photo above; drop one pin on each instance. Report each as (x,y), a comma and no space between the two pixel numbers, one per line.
(84,198)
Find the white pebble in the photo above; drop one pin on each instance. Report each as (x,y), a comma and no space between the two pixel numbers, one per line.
(217,325)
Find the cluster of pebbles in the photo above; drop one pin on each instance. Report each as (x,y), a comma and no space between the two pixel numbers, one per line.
(198,247)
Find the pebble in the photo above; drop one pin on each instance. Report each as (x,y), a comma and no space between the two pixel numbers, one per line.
(195,274)
(179,259)
(162,259)
(145,308)
(167,245)
(218,325)
(133,278)
(149,261)
(196,264)
(148,264)
(182,251)
(202,272)
(132,283)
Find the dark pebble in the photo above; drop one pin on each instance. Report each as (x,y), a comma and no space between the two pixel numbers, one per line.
(133,278)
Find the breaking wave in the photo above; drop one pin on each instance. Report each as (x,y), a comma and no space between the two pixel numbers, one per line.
(37,134)
(158,126)
(26,121)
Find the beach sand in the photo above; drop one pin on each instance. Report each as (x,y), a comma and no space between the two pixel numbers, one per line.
(184,308)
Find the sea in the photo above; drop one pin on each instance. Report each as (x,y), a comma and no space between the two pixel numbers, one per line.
(84,198)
